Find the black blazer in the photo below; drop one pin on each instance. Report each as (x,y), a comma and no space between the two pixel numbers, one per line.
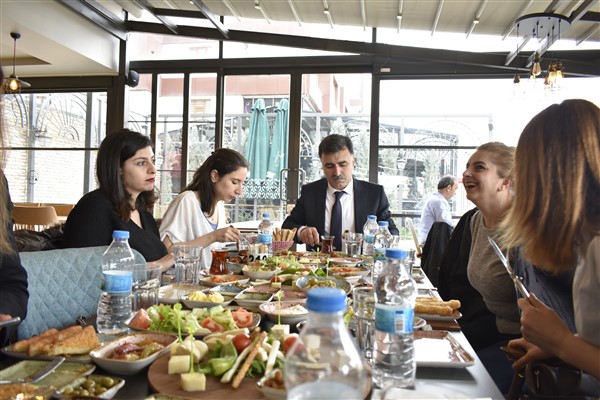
(369,198)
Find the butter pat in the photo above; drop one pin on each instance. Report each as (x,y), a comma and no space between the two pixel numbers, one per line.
(179,364)
(193,382)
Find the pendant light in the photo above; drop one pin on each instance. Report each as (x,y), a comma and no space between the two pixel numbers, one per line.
(12,83)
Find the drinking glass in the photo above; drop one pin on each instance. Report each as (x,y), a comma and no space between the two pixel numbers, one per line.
(327,244)
(352,244)
(363,300)
(146,282)
(187,263)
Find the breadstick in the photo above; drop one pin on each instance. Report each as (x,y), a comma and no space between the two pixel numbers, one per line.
(242,372)
(433,309)
(453,304)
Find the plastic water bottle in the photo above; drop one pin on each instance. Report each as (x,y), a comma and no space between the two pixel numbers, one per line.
(266,226)
(382,239)
(114,307)
(324,362)
(263,247)
(395,296)
(369,231)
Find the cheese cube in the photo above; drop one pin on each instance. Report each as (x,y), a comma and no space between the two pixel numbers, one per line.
(179,364)
(193,382)
(187,347)
(279,331)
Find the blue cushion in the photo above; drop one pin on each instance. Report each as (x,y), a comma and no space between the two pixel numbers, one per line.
(64,284)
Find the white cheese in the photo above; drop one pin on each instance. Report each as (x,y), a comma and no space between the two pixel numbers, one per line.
(193,382)
(179,364)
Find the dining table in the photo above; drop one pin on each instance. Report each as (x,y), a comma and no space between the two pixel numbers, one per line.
(454,382)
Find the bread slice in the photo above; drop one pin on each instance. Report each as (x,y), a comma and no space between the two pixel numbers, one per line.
(79,343)
(22,346)
(42,346)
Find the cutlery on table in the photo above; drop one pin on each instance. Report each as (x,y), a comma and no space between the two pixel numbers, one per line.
(10,322)
(42,373)
(520,286)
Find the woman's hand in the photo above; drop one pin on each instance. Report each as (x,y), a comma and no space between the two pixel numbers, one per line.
(541,326)
(165,262)
(229,234)
(530,352)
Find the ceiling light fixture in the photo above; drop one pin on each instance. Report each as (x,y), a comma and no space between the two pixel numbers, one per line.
(257,4)
(12,83)
(326,11)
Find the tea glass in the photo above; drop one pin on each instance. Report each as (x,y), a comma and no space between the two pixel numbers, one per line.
(327,244)
(146,282)
(188,265)
(218,265)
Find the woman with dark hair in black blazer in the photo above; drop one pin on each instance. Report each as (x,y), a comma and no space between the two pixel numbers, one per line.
(124,200)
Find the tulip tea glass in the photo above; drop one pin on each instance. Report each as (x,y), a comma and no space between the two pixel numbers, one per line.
(327,244)
(218,265)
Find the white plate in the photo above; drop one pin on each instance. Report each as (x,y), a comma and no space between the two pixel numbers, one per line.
(440,349)
(252,300)
(433,317)
(206,304)
(108,394)
(123,367)
(303,282)
(419,323)
(272,311)
(253,274)
(171,294)
(347,261)
(215,280)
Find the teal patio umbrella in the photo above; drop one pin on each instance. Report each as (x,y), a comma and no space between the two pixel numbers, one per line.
(279,147)
(257,149)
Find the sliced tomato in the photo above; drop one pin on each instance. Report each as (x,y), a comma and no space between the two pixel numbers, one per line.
(242,318)
(140,320)
(211,325)
(241,341)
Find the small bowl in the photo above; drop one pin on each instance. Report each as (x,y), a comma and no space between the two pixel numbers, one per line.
(293,295)
(251,300)
(268,391)
(108,394)
(347,261)
(227,289)
(303,282)
(206,304)
(262,274)
(271,309)
(123,367)
(234,268)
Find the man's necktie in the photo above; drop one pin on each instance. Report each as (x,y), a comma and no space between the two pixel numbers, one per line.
(336,221)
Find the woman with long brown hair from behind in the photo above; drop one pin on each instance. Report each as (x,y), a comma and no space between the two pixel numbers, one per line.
(13,277)
(555,218)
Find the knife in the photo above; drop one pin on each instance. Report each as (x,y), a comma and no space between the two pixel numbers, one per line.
(42,373)
(520,286)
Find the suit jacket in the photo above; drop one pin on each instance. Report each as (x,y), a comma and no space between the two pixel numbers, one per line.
(369,198)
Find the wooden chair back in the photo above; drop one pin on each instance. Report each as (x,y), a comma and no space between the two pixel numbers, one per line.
(62,210)
(413,233)
(34,218)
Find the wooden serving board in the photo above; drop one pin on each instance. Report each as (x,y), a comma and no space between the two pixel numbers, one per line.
(162,382)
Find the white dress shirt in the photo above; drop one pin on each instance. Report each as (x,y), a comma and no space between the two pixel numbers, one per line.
(347,201)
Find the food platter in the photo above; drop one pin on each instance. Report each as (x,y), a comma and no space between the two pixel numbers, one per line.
(171,294)
(347,261)
(62,375)
(440,349)
(190,303)
(82,358)
(162,382)
(277,309)
(218,280)
(303,283)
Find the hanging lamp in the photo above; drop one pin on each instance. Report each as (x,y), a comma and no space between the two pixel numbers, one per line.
(12,83)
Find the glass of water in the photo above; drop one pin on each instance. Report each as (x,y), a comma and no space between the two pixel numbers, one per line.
(188,263)
(363,300)
(352,244)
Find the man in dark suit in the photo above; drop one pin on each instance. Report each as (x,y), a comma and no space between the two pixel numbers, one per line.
(313,212)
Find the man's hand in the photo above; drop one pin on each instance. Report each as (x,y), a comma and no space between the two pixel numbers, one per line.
(310,236)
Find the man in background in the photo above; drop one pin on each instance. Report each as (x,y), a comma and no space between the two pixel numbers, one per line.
(313,212)
(437,208)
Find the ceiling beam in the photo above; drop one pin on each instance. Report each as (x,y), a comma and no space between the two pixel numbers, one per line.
(99,16)
(211,17)
(232,9)
(477,17)
(399,15)
(363,14)
(587,34)
(145,4)
(521,12)
(295,12)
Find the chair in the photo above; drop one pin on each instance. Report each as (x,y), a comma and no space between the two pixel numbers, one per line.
(34,218)
(411,226)
(62,210)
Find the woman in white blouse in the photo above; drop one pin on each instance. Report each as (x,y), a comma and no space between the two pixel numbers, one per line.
(197,215)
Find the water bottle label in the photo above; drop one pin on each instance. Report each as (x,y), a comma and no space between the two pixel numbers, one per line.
(369,238)
(391,319)
(117,281)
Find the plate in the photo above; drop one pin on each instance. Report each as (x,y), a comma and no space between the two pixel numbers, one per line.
(206,304)
(124,367)
(433,317)
(251,300)
(272,311)
(347,261)
(171,294)
(218,280)
(28,391)
(418,275)
(271,392)
(259,274)
(440,349)
(62,375)
(107,394)
(304,281)
(227,289)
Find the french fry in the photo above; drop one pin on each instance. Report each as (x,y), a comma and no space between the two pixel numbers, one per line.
(293,235)
(242,372)
(277,234)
